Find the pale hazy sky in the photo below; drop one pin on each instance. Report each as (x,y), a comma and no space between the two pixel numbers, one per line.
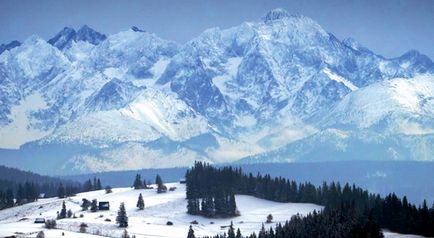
(388,27)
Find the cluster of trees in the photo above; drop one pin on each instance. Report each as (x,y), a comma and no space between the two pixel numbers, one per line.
(68,190)
(64,213)
(390,212)
(138,184)
(86,204)
(329,223)
(27,186)
(210,192)
(6,199)
(21,193)
(89,186)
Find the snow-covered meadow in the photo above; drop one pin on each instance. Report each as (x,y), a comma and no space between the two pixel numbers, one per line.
(150,222)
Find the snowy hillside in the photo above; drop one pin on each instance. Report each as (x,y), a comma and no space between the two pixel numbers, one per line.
(281,83)
(150,222)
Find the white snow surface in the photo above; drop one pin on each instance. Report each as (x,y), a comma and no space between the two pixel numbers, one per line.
(398,99)
(150,222)
(340,79)
(13,135)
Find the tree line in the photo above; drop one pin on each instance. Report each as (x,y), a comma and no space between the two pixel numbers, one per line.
(210,191)
(389,212)
(20,191)
(12,194)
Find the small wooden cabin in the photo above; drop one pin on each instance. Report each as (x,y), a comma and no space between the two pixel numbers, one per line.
(104,206)
(39,220)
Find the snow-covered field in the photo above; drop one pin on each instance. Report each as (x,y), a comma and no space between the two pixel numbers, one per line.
(150,222)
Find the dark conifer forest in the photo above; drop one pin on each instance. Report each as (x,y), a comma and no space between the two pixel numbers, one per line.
(349,211)
(19,187)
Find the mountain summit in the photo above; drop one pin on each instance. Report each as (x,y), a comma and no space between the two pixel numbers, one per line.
(67,35)
(274,90)
(275,14)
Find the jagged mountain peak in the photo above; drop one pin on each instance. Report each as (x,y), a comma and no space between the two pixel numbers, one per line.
(9,46)
(414,55)
(280,14)
(87,34)
(136,29)
(253,87)
(67,35)
(63,39)
(416,60)
(34,41)
(34,58)
(275,14)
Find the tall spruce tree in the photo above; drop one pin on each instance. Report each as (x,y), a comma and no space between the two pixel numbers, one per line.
(137,182)
(94,206)
(94,185)
(9,197)
(20,195)
(87,185)
(231,231)
(238,233)
(98,184)
(61,193)
(158,180)
(191,233)
(85,204)
(122,218)
(232,205)
(63,211)
(140,203)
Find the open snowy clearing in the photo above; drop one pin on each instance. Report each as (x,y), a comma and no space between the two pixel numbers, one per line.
(150,222)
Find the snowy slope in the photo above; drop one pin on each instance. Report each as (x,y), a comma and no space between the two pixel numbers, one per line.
(251,89)
(150,222)
(159,208)
(407,104)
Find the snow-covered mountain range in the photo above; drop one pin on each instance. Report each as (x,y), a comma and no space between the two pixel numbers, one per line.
(277,89)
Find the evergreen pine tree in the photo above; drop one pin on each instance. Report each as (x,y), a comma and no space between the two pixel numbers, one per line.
(61,191)
(191,233)
(9,198)
(122,218)
(87,186)
(140,203)
(98,185)
(69,213)
(193,206)
(85,204)
(232,205)
(62,213)
(137,182)
(40,235)
(158,181)
(231,232)
(94,185)
(94,206)
(238,233)
(125,234)
(20,194)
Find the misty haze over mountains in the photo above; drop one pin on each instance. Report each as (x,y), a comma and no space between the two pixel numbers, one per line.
(279,89)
